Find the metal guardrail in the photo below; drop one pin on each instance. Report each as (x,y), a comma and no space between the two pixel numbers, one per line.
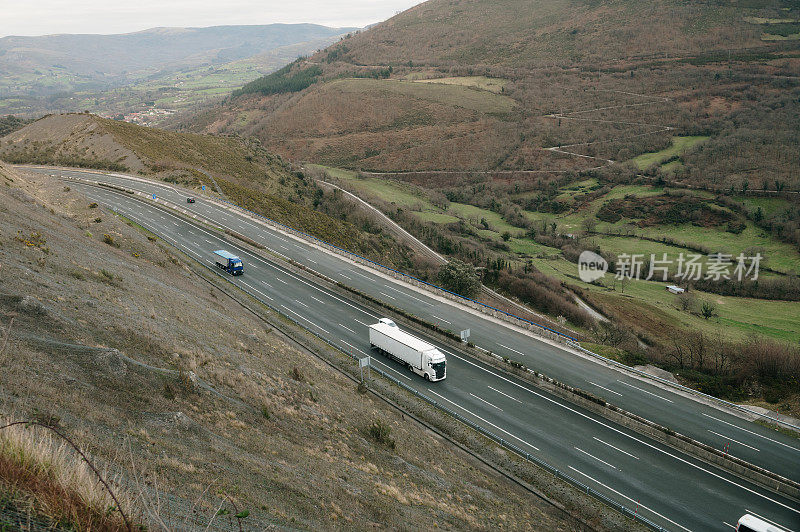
(523,454)
(577,346)
(397,272)
(527,456)
(568,340)
(624,510)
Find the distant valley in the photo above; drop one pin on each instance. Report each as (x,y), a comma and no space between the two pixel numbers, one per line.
(149,74)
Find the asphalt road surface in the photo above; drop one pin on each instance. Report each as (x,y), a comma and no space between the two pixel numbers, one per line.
(670,488)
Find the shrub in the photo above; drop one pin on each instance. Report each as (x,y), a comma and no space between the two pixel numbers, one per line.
(708,309)
(459,277)
(52,477)
(381,432)
(108,239)
(297,375)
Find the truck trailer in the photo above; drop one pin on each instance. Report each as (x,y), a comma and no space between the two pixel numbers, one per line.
(229,262)
(420,357)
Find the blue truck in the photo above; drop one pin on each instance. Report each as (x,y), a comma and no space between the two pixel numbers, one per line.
(229,262)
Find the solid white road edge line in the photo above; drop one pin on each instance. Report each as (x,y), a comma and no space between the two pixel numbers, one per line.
(618,431)
(628,498)
(751,432)
(768,520)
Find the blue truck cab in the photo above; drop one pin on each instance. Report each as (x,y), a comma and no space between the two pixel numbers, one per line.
(229,262)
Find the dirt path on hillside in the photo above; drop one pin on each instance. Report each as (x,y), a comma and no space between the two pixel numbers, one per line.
(660,128)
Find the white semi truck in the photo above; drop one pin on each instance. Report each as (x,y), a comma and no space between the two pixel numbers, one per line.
(422,358)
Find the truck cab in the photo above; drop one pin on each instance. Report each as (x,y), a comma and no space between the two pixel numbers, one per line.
(437,366)
(229,262)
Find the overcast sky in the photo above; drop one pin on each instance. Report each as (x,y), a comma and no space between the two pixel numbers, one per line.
(43,17)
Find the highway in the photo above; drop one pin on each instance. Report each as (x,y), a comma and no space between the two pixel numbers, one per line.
(668,487)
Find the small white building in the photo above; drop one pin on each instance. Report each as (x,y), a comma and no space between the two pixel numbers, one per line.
(675,289)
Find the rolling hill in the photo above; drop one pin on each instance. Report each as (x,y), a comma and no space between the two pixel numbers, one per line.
(239,169)
(191,403)
(516,134)
(484,86)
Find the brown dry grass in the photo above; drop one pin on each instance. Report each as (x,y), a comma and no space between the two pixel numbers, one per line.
(292,452)
(44,472)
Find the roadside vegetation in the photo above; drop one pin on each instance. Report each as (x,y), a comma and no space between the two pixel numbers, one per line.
(46,483)
(525,243)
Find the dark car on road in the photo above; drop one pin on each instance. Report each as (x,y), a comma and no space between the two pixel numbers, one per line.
(189,200)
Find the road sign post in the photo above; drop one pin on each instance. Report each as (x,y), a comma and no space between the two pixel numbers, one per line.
(464,335)
(363,362)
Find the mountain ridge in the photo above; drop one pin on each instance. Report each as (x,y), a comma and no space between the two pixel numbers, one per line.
(611,79)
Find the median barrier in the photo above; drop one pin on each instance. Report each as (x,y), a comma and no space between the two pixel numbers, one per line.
(535,328)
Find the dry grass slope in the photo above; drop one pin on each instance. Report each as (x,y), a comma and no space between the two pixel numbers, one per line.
(151,368)
(245,172)
(43,475)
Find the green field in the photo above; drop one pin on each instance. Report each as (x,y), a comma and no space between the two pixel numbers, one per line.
(679,145)
(388,191)
(435,217)
(168,90)
(528,248)
(478,82)
(738,317)
(778,255)
(452,95)
(768,205)
(475,214)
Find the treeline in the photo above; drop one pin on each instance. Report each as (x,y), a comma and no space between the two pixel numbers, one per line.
(733,370)
(540,292)
(374,73)
(11,123)
(282,81)
(776,288)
